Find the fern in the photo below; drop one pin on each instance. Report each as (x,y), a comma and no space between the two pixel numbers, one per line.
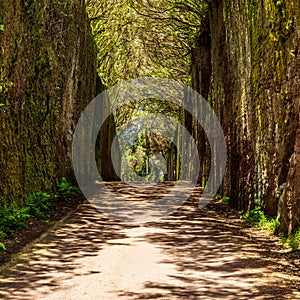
(66,190)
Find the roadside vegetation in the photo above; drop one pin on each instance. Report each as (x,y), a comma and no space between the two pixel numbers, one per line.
(37,206)
(257,218)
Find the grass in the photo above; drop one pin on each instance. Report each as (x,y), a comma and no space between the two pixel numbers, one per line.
(37,205)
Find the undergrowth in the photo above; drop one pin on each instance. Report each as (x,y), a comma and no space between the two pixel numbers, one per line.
(293,240)
(257,218)
(37,205)
(225,200)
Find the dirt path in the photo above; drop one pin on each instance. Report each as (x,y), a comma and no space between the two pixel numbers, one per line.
(191,254)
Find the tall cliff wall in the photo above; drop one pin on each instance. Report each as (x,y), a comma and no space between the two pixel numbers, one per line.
(48,75)
(253,67)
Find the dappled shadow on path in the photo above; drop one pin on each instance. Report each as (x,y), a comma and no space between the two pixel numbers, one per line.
(215,258)
(45,264)
(139,202)
(196,254)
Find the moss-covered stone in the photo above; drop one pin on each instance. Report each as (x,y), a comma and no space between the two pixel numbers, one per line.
(47,76)
(255,92)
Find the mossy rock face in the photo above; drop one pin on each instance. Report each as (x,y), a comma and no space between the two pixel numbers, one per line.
(255,92)
(47,76)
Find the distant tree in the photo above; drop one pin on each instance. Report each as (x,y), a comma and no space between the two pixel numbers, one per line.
(146,38)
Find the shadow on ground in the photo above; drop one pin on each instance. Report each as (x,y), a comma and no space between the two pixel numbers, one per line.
(213,256)
(216,259)
(83,235)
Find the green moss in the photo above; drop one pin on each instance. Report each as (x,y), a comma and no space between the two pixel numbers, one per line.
(38,49)
(281,25)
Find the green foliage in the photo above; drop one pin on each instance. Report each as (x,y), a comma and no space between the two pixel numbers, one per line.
(12,219)
(269,224)
(254,216)
(37,205)
(66,190)
(292,240)
(2,235)
(218,197)
(144,38)
(2,247)
(140,154)
(224,199)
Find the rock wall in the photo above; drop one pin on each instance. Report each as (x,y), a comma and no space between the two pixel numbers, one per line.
(48,75)
(254,89)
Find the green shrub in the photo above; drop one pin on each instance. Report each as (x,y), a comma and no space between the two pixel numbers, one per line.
(37,205)
(66,190)
(218,197)
(224,199)
(292,240)
(12,218)
(254,216)
(2,235)
(2,247)
(269,224)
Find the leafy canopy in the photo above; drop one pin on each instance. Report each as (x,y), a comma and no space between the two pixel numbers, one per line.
(145,38)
